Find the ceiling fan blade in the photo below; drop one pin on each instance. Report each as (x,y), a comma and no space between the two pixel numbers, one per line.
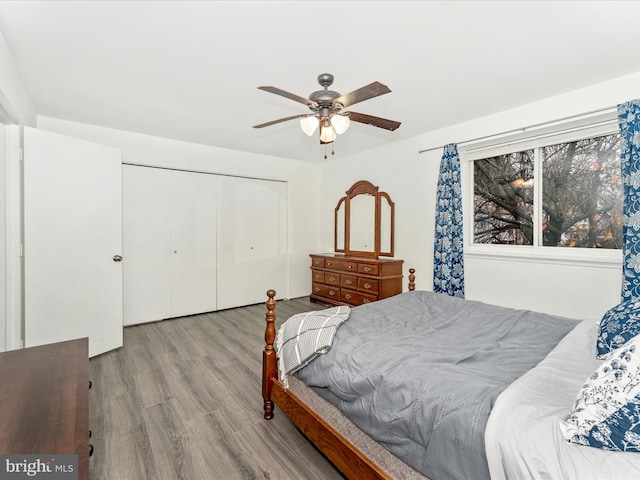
(372,90)
(374,121)
(280,120)
(290,96)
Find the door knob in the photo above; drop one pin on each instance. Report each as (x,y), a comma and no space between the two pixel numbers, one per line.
(117,258)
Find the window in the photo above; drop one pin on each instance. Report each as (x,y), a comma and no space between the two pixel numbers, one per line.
(503,199)
(563,194)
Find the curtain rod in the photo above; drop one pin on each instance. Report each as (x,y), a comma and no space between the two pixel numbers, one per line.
(529,127)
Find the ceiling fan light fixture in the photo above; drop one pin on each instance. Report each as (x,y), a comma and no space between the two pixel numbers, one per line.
(309,124)
(327,133)
(340,123)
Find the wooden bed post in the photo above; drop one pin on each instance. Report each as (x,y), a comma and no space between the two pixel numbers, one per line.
(412,279)
(269,366)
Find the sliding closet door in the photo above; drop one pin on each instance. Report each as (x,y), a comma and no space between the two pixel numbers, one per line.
(147,243)
(169,243)
(73,241)
(252,240)
(193,230)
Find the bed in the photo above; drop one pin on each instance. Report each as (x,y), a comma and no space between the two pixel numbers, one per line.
(531,390)
(523,439)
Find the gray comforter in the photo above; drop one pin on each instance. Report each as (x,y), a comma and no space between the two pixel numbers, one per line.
(419,373)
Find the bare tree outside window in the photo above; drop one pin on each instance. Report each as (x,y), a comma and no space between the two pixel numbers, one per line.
(503,198)
(581,195)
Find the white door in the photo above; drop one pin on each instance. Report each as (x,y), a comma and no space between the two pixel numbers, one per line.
(73,237)
(3,245)
(252,240)
(193,230)
(170,243)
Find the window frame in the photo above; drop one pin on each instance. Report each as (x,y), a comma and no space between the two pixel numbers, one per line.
(536,253)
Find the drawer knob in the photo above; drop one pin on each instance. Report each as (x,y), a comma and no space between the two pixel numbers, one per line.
(329,264)
(367,286)
(350,266)
(366,300)
(333,279)
(348,282)
(317,275)
(332,293)
(347,296)
(367,269)
(317,289)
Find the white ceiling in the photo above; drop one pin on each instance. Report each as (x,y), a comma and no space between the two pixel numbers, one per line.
(189,70)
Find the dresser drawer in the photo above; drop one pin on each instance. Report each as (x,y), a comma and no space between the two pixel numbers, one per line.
(342,265)
(332,278)
(326,291)
(356,298)
(368,285)
(317,276)
(368,269)
(317,262)
(349,281)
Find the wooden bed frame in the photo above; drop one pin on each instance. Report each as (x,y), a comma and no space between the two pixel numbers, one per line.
(351,461)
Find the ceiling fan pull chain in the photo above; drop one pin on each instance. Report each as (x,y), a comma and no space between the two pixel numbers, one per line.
(325,150)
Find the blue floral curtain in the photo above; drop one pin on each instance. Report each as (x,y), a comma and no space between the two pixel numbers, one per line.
(448,260)
(629,121)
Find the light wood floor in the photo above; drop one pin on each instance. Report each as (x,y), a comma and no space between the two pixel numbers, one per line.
(182,400)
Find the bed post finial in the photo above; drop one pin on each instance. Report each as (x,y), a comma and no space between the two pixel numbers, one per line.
(412,279)
(269,366)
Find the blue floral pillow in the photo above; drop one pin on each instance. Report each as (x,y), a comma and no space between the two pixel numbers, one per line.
(606,413)
(618,325)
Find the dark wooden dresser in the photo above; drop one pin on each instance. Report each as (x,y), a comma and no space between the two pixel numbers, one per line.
(340,280)
(44,399)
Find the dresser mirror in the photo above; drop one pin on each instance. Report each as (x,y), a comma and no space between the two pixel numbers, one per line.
(364,222)
(339,245)
(386,225)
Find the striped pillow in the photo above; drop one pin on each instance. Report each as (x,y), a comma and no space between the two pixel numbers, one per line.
(304,336)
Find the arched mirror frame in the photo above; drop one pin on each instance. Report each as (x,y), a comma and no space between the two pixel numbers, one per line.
(342,221)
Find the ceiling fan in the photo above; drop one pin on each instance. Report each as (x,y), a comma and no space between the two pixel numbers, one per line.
(326,107)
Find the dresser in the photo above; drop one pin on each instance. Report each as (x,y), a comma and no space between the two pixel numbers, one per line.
(340,280)
(45,401)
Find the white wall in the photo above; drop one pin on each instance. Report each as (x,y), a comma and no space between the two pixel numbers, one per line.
(303,180)
(14,100)
(410,178)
